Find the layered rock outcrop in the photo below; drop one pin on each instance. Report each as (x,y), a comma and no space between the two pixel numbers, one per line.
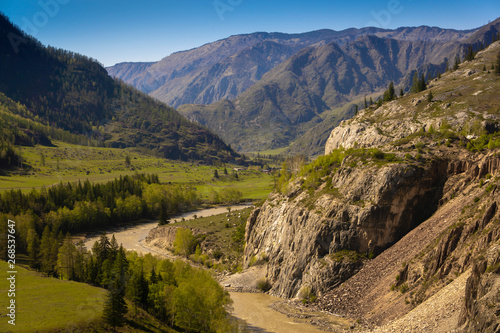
(309,238)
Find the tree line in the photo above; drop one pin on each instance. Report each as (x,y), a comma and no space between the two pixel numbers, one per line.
(83,206)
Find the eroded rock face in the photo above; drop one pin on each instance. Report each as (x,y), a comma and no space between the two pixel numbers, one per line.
(301,234)
(481,307)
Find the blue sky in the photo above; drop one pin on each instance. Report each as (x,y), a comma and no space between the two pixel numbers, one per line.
(113,31)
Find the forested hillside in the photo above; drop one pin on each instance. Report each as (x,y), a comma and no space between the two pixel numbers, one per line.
(72,92)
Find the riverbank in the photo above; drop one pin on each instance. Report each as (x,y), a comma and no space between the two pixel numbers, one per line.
(131,236)
(262,312)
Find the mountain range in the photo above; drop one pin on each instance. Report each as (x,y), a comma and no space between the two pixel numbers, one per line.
(271,90)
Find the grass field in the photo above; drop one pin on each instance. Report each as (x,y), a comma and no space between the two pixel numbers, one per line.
(43,304)
(50,305)
(69,163)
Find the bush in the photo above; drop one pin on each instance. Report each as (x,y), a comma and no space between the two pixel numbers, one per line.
(263,284)
(378,154)
(230,195)
(348,256)
(306,294)
(217,254)
(389,157)
(184,242)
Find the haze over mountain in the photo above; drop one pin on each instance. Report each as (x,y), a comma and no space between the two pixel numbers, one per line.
(266,90)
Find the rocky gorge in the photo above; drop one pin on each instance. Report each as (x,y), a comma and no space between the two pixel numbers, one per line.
(403,204)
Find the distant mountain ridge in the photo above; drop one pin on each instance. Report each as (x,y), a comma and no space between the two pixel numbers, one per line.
(307,90)
(271,90)
(217,70)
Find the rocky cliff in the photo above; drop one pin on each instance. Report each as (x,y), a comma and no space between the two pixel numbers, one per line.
(398,225)
(303,235)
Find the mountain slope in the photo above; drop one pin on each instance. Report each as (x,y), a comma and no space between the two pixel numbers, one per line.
(404,203)
(309,91)
(71,92)
(226,68)
(303,90)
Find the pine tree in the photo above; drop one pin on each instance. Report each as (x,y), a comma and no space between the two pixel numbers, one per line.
(356,109)
(33,249)
(115,306)
(457,62)
(371,101)
(80,264)
(54,251)
(366,104)
(45,245)
(66,259)
(113,248)
(401,92)
(390,93)
(128,163)
(469,53)
(216,174)
(137,289)
(163,216)
(430,96)
(101,249)
(415,85)
(92,270)
(153,277)
(422,85)
(225,169)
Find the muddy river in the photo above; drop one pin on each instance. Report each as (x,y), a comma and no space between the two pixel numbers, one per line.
(132,237)
(253,308)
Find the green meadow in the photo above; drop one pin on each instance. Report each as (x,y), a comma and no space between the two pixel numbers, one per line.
(46,166)
(44,304)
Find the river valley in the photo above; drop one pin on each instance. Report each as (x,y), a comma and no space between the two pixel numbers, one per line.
(254,308)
